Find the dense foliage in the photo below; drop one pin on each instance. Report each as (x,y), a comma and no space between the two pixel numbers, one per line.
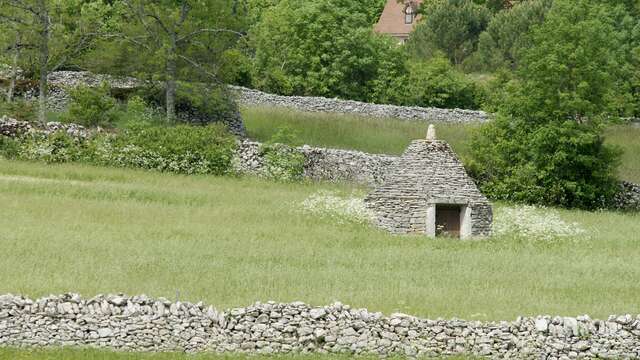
(451,27)
(194,103)
(506,35)
(91,106)
(180,149)
(432,83)
(546,145)
(321,48)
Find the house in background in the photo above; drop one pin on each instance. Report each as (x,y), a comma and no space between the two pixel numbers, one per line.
(398,18)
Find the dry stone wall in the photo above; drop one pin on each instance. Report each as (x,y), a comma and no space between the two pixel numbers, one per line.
(333,165)
(141,323)
(320,104)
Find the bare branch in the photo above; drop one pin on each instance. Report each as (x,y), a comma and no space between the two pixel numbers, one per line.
(193,63)
(202,31)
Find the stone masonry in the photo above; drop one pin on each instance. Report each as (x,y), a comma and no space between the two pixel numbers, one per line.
(427,175)
(252,97)
(141,323)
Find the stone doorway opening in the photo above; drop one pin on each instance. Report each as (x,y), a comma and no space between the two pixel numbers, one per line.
(448,220)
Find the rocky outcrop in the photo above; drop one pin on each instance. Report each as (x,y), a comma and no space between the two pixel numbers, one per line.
(252,97)
(141,323)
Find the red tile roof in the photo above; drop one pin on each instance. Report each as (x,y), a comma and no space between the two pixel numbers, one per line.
(392,19)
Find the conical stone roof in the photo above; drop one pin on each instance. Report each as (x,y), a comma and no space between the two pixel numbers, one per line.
(428,173)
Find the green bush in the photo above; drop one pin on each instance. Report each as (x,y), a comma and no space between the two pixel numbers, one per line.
(432,83)
(321,48)
(560,163)
(18,109)
(195,103)
(92,106)
(9,147)
(180,149)
(57,147)
(281,161)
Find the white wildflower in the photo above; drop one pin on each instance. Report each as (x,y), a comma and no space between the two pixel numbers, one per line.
(534,223)
(342,209)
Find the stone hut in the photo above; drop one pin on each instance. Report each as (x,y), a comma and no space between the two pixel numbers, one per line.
(427,191)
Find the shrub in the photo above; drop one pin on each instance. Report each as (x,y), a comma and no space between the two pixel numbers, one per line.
(9,147)
(92,106)
(180,149)
(195,103)
(283,162)
(432,83)
(57,147)
(18,109)
(558,163)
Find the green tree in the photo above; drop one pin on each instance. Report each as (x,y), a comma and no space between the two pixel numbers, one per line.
(546,144)
(322,48)
(506,34)
(170,40)
(572,67)
(430,83)
(449,26)
(55,32)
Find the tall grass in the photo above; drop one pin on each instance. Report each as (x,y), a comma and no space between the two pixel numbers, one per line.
(627,137)
(231,242)
(381,136)
(391,136)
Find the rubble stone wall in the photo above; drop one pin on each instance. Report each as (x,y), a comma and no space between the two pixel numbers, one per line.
(324,164)
(252,97)
(140,323)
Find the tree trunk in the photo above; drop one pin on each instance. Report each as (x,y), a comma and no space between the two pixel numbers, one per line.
(171,80)
(14,68)
(44,60)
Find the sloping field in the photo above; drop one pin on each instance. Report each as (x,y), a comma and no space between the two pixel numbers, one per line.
(230,242)
(391,136)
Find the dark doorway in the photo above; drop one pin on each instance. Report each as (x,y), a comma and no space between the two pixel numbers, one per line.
(448,220)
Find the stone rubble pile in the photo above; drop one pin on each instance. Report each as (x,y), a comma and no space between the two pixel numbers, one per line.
(320,104)
(140,323)
(13,128)
(628,198)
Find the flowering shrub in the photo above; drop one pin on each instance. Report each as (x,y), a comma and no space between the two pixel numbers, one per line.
(283,162)
(533,224)
(330,205)
(180,149)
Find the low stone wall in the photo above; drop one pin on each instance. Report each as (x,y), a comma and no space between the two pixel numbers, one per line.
(321,164)
(141,323)
(320,104)
(628,197)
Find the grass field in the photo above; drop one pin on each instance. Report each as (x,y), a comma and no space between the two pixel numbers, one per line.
(231,242)
(391,136)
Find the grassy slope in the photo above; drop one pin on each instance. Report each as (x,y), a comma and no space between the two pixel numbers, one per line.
(390,136)
(231,242)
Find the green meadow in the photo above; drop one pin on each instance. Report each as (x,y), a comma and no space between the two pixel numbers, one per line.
(233,241)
